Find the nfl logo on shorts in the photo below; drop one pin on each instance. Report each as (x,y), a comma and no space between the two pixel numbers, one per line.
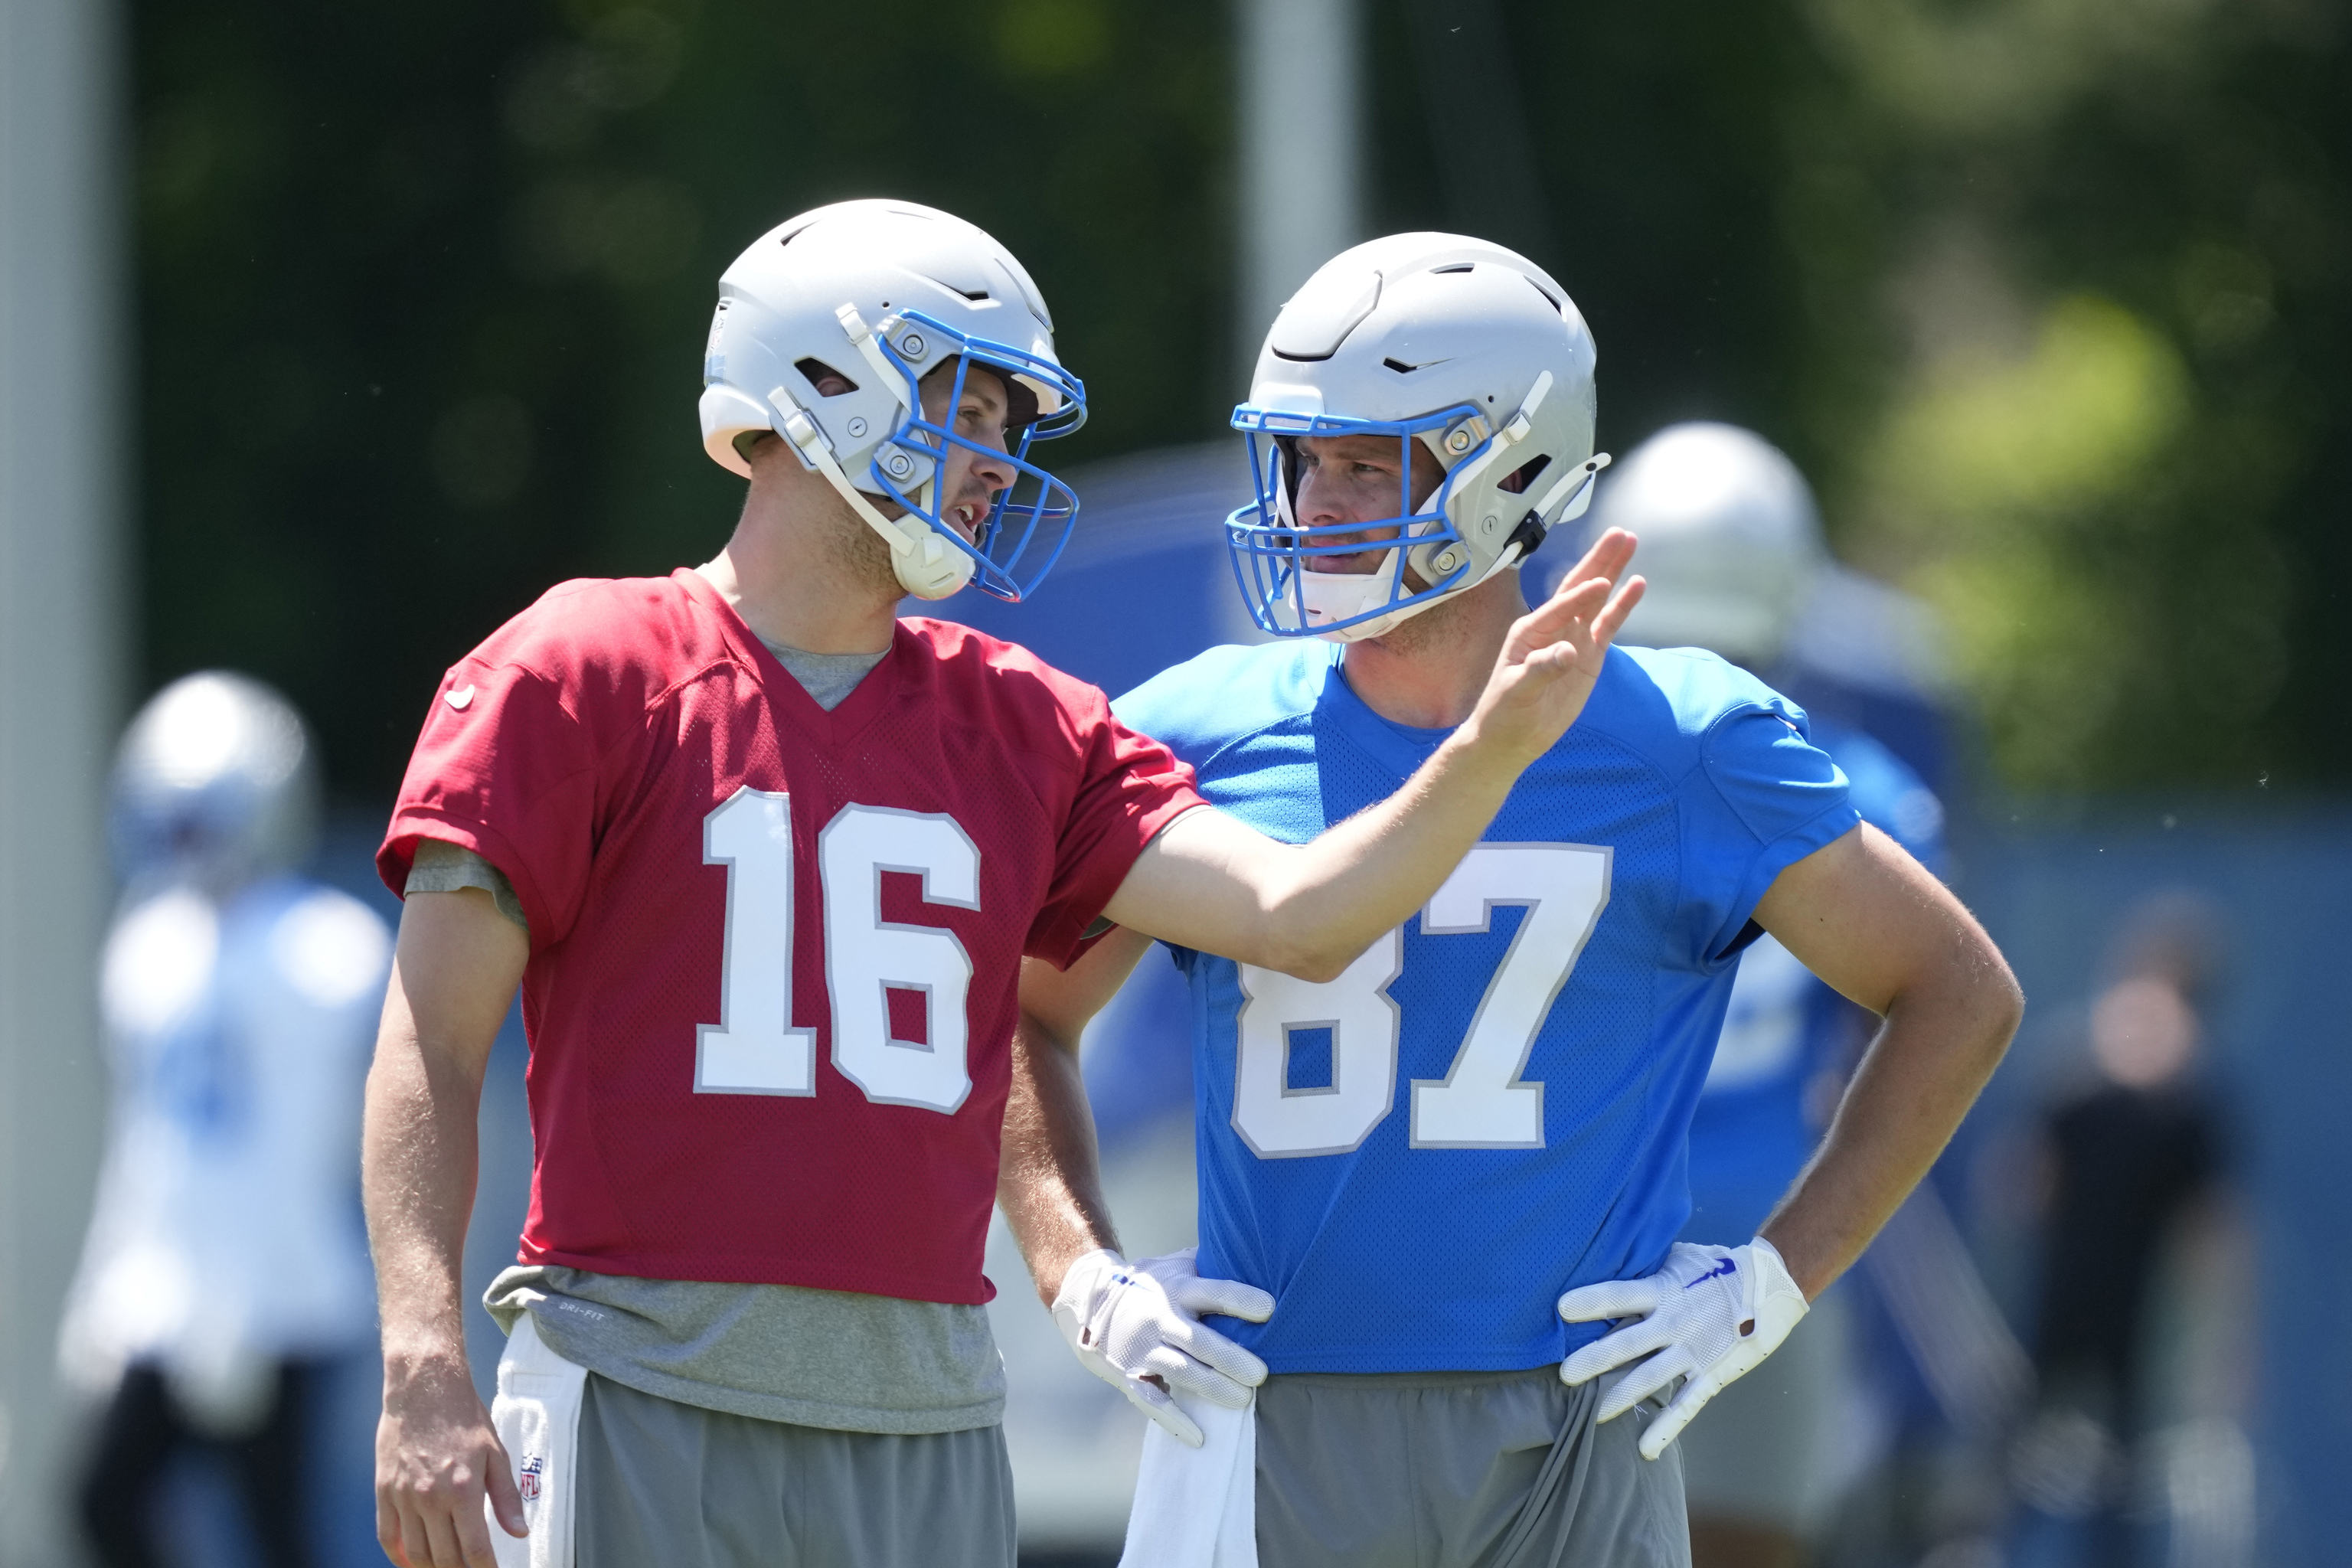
(527,1478)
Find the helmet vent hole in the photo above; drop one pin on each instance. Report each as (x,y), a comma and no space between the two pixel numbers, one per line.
(1523,476)
(1400,366)
(1457,266)
(828,382)
(1542,291)
(976,295)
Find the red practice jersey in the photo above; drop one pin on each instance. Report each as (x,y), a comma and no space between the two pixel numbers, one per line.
(774,949)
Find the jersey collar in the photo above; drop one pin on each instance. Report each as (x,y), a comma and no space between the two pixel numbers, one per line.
(791,698)
(1402,747)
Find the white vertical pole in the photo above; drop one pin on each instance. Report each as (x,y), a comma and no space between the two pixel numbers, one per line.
(1300,76)
(64,443)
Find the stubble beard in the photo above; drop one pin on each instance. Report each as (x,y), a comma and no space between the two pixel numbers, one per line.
(859,554)
(1442,627)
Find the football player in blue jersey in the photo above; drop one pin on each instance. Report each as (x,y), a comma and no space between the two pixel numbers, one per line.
(1457,1163)
(1731,544)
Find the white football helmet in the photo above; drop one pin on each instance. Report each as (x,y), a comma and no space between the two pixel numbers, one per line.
(878,293)
(1730,541)
(1465,346)
(214,784)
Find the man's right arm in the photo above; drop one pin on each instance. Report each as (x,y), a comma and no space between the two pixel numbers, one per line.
(454,976)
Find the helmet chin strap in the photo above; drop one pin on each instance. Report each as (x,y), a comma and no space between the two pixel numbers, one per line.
(925,564)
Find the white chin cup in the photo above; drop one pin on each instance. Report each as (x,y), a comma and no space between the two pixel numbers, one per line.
(1329,597)
(927,565)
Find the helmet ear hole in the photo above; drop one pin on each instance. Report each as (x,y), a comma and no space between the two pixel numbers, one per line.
(1517,481)
(828,382)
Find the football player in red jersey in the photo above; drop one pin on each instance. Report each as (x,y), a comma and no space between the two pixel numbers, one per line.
(764,860)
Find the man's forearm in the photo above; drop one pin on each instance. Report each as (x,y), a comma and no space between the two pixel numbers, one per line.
(1914,1086)
(1214,885)
(1369,874)
(419,1154)
(1049,1181)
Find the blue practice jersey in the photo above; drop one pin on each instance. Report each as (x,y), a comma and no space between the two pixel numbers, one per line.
(1750,1134)
(1492,1104)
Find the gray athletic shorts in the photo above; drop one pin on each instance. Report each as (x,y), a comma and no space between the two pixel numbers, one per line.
(1765,1450)
(682,1487)
(1460,1469)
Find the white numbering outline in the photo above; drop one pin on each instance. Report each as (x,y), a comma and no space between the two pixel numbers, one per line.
(754,1048)
(1279,1122)
(1481,1103)
(866,957)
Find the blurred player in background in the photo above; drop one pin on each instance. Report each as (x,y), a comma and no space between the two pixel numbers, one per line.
(2133,1163)
(1731,544)
(765,860)
(226,1265)
(1454,1163)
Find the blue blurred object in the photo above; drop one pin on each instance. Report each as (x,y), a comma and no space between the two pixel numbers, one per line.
(1145,581)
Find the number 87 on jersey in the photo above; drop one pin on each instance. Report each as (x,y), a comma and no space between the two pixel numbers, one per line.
(1483,1101)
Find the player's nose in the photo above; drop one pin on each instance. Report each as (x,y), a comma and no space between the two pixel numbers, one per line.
(992,465)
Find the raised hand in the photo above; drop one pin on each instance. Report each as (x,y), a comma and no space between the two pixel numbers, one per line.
(1554,653)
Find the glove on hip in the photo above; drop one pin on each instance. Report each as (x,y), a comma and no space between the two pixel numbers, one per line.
(1131,1323)
(1711,1314)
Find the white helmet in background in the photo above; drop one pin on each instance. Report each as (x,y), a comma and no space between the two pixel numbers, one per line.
(879,293)
(214,783)
(1730,541)
(1463,346)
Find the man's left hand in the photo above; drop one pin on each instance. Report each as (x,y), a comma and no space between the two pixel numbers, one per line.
(1137,1327)
(1711,1314)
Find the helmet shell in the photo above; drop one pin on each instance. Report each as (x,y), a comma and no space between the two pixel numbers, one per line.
(1415,323)
(780,303)
(1417,334)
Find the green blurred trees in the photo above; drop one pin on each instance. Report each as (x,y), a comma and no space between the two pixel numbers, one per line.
(2112,238)
(423,288)
(2049,295)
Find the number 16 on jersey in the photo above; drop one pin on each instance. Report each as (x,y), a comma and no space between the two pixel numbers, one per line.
(1481,1102)
(755,1047)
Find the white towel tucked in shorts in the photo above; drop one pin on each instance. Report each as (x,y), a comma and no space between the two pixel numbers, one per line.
(537,1413)
(1197,1508)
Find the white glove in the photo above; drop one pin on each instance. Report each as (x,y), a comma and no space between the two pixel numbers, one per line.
(1711,1314)
(1133,1322)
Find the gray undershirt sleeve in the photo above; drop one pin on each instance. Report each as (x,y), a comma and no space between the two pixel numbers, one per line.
(441,866)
